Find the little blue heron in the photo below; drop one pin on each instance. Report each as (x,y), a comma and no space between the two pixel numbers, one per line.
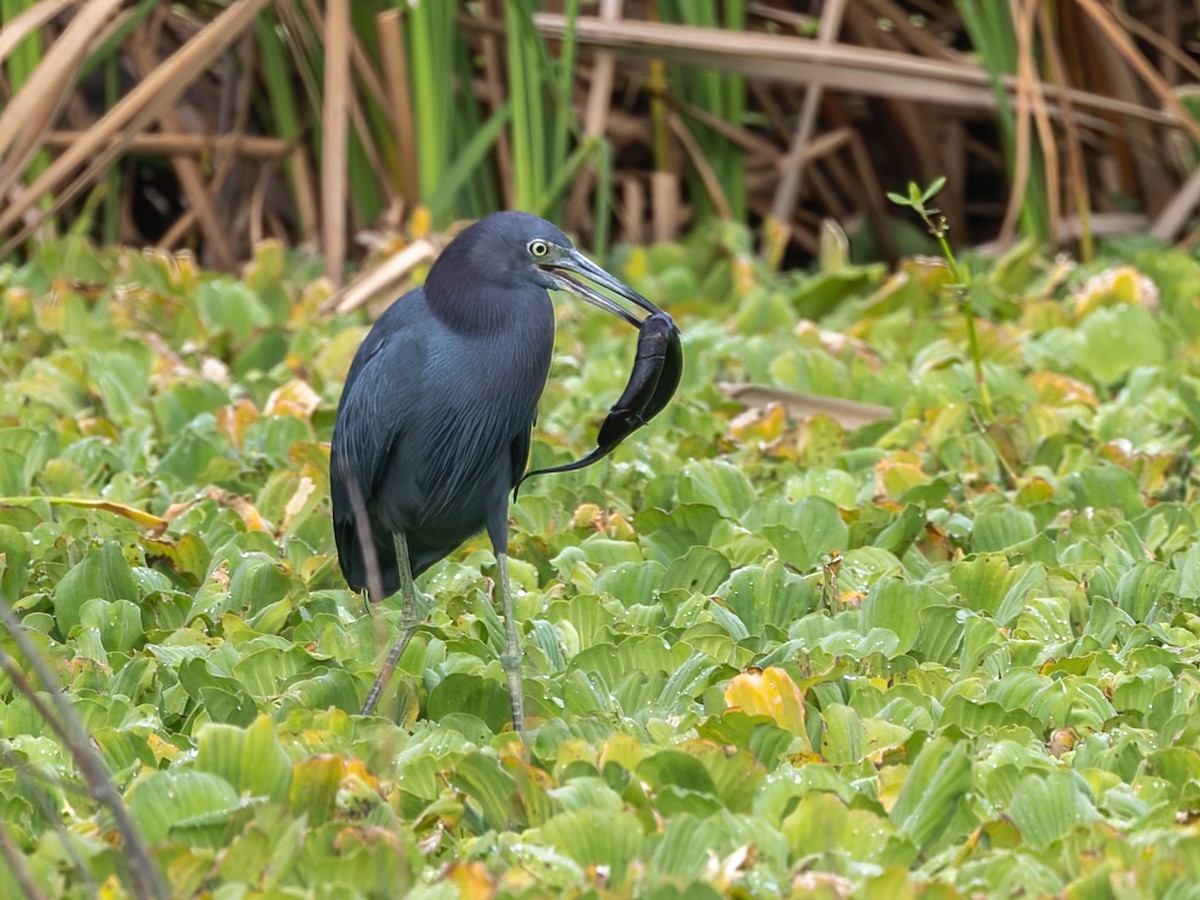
(433,428)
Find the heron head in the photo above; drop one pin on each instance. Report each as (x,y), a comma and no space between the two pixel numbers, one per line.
(560,266)
(518,250)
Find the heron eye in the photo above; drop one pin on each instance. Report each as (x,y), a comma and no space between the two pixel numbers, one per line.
(539,248)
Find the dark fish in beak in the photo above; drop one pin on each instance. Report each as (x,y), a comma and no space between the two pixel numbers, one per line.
(656,372)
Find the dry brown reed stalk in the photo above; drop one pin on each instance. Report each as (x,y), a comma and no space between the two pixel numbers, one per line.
(335,120)
(788,191)
(26,23)
(596,110)
(1030,109)
(1137,61)
(395,66)
(187,169)
(495,92)
(874,73)
(890,83)
(28,117)
(105,140)
(1076,171)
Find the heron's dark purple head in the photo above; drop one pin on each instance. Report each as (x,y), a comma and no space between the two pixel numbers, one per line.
(516,251)
(498,250)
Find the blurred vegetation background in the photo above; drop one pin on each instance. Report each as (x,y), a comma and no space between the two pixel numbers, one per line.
(852,619)
(360,126)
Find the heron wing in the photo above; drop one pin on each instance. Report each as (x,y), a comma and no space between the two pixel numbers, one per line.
(384,374)
(520,452)
(483,446)
(370,421)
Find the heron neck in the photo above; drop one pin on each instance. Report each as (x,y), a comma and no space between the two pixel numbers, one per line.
(473,308)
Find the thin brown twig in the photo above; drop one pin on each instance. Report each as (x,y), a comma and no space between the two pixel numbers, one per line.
(351,98)
(306,193)
(1179,210)
(183,144)
(712,184)
(233,118)
(1076,172)
(362,525)
(385,278)
(1104,20)
(837,66)
(918,38)
(742,137)
(30,113)
(1023,12)
(26,23)
(596,111)
(494,91)
(872,196)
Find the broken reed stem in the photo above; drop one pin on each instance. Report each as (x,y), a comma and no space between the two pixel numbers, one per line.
(167,144)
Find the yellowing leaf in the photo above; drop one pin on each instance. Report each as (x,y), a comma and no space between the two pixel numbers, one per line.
(851,598)
(618,527)
(251,517)
(743,274)
(295,398)
(771,692)
(162,749)
(420,223)
(1062,741)
(472,879)
(85,289)
(358,769)
(140,516)
(189,555)
(623,749)
(1059,390)
(759,425)
(95,426)
(303,491)
(1116,286)
(1035,490)
(18,302)
(235,418)
(587,515)
(1119,451)
(891,783)
(50,315)
(897,474)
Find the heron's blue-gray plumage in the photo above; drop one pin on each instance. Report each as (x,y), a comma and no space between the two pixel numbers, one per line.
(435,418)
(433,428)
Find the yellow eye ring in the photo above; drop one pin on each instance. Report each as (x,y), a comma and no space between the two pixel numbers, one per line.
(539,248)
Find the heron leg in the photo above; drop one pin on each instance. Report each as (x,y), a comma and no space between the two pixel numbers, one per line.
(410,618)
(510,659)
